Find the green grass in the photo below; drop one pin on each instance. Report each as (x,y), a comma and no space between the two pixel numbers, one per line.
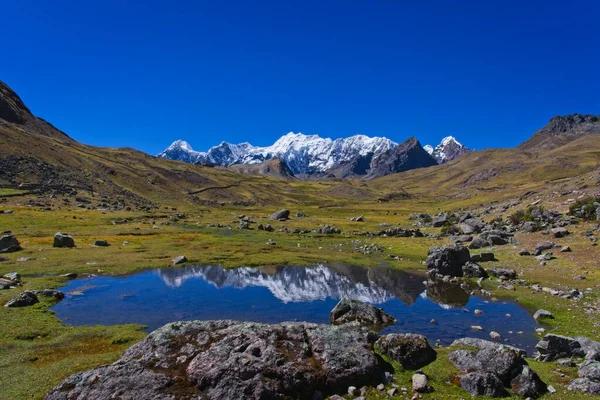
(39,351)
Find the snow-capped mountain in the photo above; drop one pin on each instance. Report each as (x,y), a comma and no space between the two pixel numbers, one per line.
(447,150)
(302,153)
(299,284)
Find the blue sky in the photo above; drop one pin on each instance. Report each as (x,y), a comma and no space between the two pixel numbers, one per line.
(143,73)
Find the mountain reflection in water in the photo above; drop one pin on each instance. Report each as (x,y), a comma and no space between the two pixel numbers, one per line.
(276,294)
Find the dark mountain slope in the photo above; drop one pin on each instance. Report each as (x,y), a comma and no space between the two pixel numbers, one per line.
(562,130)
(406,156)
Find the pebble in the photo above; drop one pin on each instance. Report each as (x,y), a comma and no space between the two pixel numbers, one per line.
(478,312)
(353,391)
(495,335)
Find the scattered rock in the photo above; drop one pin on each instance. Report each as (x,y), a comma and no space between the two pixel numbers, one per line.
(9,244)
(63,240)
(354,311)
(495,335)
(479,243)
(559,232)
(101,243)
(25,299)
(508,274)
(56,294)
(420,383)
(542,314)
(410,350)
(230,360)
(566,362)
(565,249)
(13,276)
(280,215)
(70,275)
(590,369)
(543,246)
(524,253)
(179,260)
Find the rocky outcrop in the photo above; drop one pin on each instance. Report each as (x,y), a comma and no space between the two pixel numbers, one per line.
(409,350)
(447,260)
(234,360)
(560,130)
(349,311)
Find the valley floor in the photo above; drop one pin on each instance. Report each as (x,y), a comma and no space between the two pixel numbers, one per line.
(38,351)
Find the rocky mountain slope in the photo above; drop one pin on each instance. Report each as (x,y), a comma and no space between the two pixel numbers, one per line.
(404,157)
(448,149)
(14,111)
(561,130)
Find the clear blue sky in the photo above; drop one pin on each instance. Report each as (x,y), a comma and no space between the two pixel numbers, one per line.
(144,73)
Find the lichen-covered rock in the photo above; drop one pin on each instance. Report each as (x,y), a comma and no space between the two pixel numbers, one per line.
(233,360)
(584,385)
(528,384)
(503,273)
(482,344)
(63,240)
(410,350)
(482,384)
(447,260)
(590,369)
(354,311)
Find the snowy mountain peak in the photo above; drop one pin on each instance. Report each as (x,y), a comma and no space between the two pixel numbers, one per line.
(448,149)
(302,153)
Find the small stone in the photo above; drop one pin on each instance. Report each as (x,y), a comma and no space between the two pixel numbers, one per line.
(101,243)
(565,249)
(524,253)
(478,312)
(380,387)
(353,391)
(476,328)
(566,362)
(179,260)
(495,335)
(70,275)
(542,314)
(420,383)
(392,392)
(540,330)
(551,389)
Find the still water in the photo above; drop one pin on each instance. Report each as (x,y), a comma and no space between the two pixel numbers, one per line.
(276,294)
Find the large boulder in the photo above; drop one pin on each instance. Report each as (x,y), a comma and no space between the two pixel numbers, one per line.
(448,260)
(553,347)
(279,215)
(354,311)
(590,369)
(25,299)
(233,360)
(590,348)
(409,350)
(63,240)
(9,244)
(559,232)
